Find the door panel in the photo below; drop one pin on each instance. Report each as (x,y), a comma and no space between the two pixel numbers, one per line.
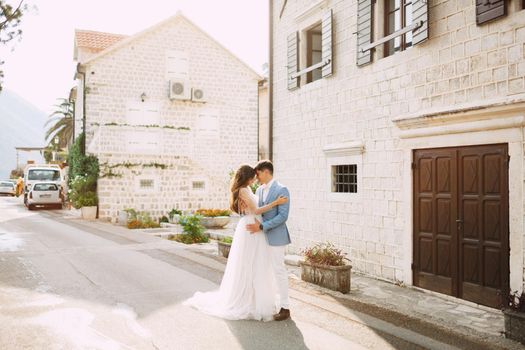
(461,222)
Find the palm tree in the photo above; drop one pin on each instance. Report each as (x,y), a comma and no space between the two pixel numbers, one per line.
(62,124)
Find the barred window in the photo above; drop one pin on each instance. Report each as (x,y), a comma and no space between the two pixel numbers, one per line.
(344,178)
(198,185)
(146,184)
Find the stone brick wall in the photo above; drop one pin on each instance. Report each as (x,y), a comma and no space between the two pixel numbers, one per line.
(461,63)
(120,77)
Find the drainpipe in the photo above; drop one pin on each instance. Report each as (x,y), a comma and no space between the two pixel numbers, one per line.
(270,85)
(82,73)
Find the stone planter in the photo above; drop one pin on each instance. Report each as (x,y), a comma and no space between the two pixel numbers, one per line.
(215,222)
(224,248)
(175,219)
(332,277)
(89,213)
(123,218)
(514,325)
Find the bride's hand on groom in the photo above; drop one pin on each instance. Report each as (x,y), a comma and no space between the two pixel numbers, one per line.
(254,228)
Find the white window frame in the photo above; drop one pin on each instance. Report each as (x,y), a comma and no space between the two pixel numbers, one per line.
(344,154)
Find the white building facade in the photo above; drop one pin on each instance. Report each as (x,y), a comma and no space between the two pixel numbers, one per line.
(169,112)
(398,127)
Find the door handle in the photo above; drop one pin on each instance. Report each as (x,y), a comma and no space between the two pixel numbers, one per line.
(459,222)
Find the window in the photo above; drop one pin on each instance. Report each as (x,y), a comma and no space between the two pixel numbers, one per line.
(45,187)
(146,184)
(44,175)
(198,185)
(398,15)
(314,52)
(344,178)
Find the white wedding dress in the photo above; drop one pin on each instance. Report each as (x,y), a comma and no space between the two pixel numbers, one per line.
(247,289)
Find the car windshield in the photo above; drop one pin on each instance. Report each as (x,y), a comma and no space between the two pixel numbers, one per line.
(45,187)
(44,175)
(6,184)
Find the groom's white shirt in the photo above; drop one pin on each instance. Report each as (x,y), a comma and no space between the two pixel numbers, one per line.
(266,189)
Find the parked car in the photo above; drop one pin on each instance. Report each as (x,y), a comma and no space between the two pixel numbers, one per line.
(7,188)
(33,173)
(44,194)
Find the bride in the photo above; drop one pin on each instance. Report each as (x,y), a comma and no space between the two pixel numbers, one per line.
(247,289)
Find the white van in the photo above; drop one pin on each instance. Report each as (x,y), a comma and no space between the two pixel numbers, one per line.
(49,173)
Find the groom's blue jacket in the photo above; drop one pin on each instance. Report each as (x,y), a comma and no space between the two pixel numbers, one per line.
(274,220)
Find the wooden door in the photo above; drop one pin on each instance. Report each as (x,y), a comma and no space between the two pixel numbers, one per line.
(461,222)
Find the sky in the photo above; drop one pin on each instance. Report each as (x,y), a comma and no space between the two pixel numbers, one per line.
(41,67)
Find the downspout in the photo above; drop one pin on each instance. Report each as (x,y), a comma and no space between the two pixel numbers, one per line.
(82,73)
(270,85)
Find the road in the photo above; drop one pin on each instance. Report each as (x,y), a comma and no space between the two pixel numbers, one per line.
(68,285)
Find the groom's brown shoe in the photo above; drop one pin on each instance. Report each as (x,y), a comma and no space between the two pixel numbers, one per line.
(283,314)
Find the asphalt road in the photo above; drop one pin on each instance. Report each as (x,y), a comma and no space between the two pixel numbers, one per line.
(65,285)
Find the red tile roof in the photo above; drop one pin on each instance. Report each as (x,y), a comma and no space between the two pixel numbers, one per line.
(96,41)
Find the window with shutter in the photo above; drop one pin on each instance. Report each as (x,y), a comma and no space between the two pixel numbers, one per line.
(293,60)
(314,53)
(420,18)
(398,15)
(488,10)
(327,46)
(364,31)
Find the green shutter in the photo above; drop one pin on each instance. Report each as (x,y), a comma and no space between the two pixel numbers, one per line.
(326,39)
(420,14)
(293,60)
(364,31)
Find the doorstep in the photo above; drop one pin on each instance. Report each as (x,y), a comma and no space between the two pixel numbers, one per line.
(450,313)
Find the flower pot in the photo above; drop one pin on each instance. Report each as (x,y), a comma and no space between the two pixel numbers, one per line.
(123,218)
(215,222)
(224,248)
(514,325)
(332,277)
(89,213)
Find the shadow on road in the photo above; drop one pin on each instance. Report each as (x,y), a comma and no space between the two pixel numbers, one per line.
(253,335)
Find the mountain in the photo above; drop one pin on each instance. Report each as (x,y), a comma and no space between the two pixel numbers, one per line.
(21,125)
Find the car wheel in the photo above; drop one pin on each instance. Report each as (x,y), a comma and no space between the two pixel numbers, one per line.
(59,206)
(30,207)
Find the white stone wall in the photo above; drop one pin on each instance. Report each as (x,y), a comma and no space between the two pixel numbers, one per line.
(461,63)
(207,153)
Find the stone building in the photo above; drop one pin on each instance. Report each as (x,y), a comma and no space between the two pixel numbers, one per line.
(398,127)
(169,112)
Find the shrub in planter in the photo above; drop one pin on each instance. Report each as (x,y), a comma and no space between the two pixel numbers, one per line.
(224,246)
(514,316)
(193,230)
(164,218)
(142,220)
(214,218)
(325,266)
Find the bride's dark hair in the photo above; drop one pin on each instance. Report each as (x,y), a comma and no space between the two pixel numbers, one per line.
(242,176)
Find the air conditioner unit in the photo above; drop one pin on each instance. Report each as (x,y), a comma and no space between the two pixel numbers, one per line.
(197,95)
(179,90)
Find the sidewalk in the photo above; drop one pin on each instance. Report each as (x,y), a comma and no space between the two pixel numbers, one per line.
(419,316)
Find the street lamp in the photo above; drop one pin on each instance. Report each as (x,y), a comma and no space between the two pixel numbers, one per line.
(55,140)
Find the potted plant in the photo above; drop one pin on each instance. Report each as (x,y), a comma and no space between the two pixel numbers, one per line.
(87,202)
(83,195)
(174,216)
(325,266)
(514,316)
(193,231)
(224,245)
(214,218)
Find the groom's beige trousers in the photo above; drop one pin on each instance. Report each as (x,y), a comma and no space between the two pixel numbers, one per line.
(281,275)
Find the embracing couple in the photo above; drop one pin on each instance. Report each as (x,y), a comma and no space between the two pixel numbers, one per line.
(255,272)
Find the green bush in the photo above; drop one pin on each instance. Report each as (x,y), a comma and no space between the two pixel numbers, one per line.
(227,240)
(174,212)
(83,175)
(193,230)
(164,218)
(88,199)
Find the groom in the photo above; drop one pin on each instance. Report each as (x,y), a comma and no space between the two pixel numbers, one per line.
(274,227)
